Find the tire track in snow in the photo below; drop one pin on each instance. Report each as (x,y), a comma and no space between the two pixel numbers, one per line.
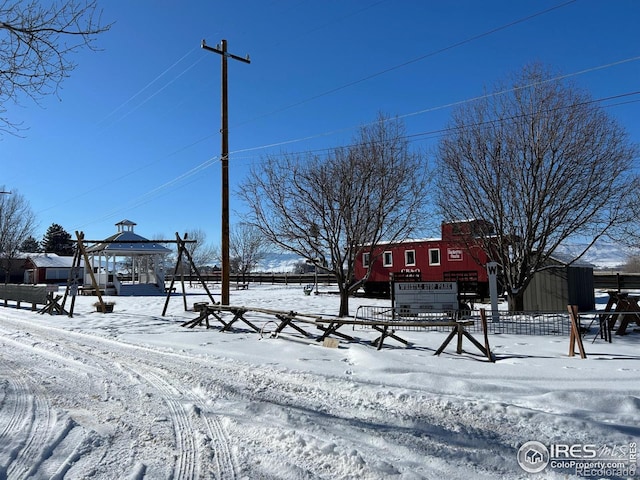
(12,433)
(190,451)
(37,423)
(186,461)
(65,442)
(66,451)
(203,453)
(225,461)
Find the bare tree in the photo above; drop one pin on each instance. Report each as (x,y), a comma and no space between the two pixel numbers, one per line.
(201,252)
(247,248)
(541,162)
(328,209)
(632,264)
(17,224)
(37,40)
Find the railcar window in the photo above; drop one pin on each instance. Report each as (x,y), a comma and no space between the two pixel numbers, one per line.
(410,258)
(434,256)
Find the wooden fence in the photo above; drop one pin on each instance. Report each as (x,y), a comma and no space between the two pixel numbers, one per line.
(33,294)
(262,278)
(602,280)
(616,281)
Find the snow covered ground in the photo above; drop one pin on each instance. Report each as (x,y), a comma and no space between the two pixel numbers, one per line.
(133,395)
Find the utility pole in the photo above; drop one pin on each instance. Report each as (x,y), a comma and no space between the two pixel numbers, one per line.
(224,160)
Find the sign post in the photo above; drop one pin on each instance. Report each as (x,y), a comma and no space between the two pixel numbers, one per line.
(492,270)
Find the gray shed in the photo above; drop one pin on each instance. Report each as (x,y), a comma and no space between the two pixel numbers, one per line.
(560,285)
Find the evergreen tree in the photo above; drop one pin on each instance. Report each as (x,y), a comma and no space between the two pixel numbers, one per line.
(30,245)
(57,240)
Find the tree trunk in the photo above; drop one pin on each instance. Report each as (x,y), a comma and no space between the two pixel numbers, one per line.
(344,302)
(516,301)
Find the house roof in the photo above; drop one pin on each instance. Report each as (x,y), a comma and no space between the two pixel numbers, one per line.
(50,260)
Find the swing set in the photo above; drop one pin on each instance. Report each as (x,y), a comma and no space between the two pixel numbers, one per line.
(73,282)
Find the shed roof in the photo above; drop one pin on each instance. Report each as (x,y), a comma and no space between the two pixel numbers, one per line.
(568,259)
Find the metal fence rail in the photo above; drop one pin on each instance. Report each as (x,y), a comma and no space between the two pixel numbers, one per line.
(519,323)
(529,323)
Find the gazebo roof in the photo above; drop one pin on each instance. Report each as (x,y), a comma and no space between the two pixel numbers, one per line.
(126,242)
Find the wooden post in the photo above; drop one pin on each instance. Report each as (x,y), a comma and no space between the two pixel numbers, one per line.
(575,336)
(173,277)
(182,249)
(94,282)
(485,332)
(72,280)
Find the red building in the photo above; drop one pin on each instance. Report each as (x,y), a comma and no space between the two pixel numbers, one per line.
(454,256)
(47,268)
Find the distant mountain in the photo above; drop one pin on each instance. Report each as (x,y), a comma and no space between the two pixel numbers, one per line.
(279,262)
(603,254)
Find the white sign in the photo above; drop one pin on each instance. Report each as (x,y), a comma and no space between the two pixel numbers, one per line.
(424,297)
(454,254)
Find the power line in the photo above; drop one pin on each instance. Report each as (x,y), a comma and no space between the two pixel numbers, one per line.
(409,62)
(154,193)
(452,46)
(139,92)
(157,92)
(328,133)
(444,106)
(332,132)
(441,131)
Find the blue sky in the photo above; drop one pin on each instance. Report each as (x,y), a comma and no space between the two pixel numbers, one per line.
(134,132)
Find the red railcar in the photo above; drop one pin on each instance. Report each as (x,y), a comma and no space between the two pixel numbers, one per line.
(453,257)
